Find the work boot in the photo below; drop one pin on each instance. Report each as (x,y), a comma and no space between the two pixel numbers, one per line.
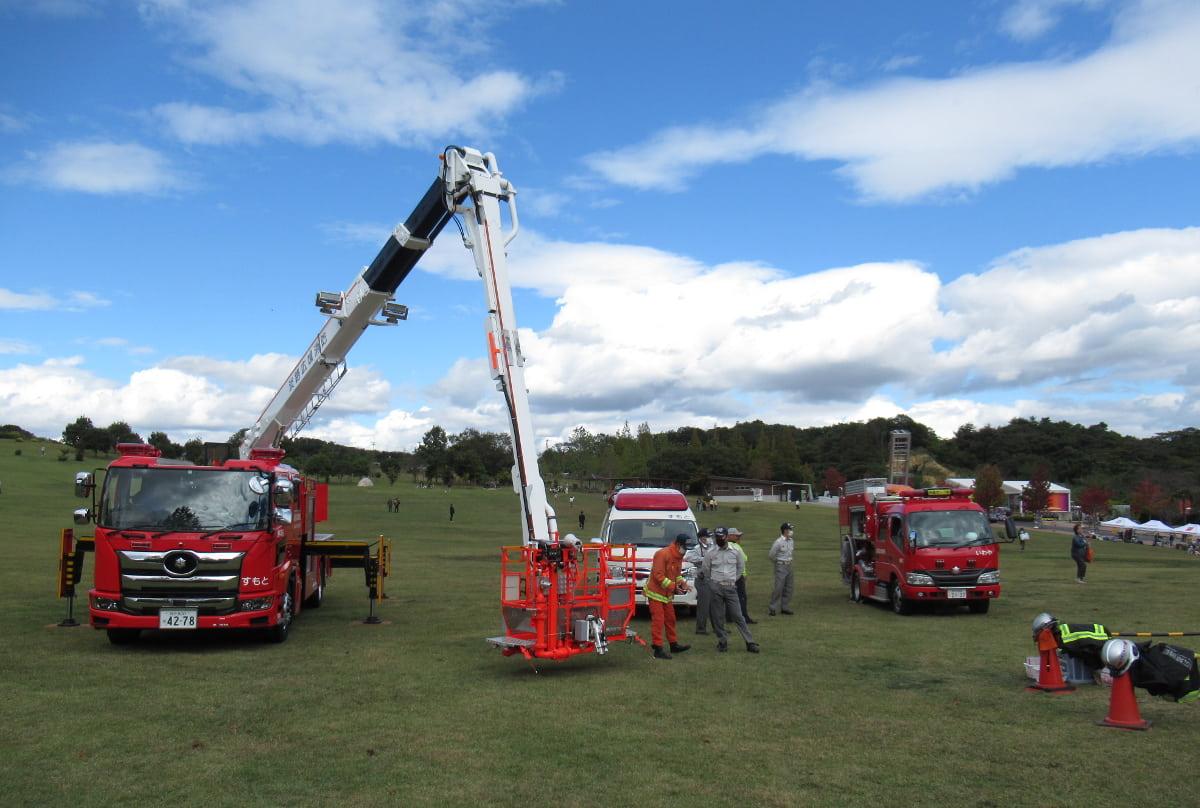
(676,648)
(752,647)
(701,631)
(722,647)
(659,653)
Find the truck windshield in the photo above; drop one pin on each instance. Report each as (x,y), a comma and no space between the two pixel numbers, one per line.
(185,499)
(651,532)
(949,529)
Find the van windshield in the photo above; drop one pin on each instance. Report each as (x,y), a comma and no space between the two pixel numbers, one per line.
(650,532)
(949,529)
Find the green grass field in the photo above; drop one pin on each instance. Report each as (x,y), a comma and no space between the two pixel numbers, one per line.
(847,705)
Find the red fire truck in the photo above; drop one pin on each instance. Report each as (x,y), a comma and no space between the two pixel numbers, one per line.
(905,546)
(233,542)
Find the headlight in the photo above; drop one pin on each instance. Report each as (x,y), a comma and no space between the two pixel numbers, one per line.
(257,604)
(918,579)
(992,577)
(102,604)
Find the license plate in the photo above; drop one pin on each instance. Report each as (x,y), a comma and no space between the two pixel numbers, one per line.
(956,594)
(177,618)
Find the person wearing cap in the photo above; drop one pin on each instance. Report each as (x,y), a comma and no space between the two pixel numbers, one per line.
(781,556)
(735,539)
(722,567)
(666,579)
(695,557)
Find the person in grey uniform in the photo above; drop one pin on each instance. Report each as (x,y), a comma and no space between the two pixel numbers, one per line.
(781,556)
(695,556)
(722,566)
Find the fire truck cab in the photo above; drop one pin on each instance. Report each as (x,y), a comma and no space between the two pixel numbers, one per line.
(904,546)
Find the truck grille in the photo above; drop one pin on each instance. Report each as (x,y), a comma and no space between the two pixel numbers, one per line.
(952,580)
(152,580)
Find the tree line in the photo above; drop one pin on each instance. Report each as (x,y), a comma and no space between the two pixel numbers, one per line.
(1157,476)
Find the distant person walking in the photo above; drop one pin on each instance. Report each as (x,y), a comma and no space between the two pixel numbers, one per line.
(1023,537)
(451,512)
(582,519)
(1079,551)
(781,556)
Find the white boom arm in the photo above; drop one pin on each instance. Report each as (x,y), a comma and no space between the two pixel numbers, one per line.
(468,184)
(475,188)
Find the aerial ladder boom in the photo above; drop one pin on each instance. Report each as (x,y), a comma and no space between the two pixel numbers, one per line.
(475,188)
(368,301)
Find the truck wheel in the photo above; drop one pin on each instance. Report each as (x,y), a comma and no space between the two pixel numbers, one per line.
(980,606)
(123,636)
(899,604)
(280,631)
(856,589)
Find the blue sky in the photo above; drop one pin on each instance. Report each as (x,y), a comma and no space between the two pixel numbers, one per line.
(803,213)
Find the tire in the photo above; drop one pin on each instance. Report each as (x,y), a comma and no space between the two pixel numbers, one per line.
(280,632)
(980,606)
(899,604)
(855,589)
(123,636)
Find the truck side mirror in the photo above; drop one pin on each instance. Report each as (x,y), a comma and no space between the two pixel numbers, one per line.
(85,483)
(82,516)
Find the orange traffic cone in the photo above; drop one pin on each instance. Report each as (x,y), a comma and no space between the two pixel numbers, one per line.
(1050,678)
(1122,706)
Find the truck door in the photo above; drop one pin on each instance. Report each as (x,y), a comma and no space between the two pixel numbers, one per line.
(890,545)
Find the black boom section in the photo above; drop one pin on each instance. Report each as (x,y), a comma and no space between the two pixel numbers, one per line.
(393,263)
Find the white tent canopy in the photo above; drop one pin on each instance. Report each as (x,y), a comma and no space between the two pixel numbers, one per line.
(1123,522)
(1156,526)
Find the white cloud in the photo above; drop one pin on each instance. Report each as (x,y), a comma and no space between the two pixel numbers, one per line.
(357,71)
(907,138)
(1030,19)
(98,167)
(45,301)
(1100,329)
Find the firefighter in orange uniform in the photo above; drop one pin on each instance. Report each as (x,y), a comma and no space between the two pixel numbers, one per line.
(664,582)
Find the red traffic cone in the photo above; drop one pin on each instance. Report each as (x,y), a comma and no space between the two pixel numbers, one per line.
(1050,678)
(1122,706)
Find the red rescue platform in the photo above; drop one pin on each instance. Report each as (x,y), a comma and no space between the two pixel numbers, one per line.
(563,599)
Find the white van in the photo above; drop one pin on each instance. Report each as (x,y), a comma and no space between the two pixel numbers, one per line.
(650,519)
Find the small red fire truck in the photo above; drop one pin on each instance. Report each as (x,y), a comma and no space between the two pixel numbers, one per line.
(905,546)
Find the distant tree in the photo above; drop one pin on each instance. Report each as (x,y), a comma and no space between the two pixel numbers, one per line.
(119,432)
(1094,501)
(1148,500)
(833,481)
(193,451)
(989,487)
(433,454)
(75,434)
(1036,495)
(160,441)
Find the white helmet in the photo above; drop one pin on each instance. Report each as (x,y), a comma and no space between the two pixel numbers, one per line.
(1119,655)
(1042,622)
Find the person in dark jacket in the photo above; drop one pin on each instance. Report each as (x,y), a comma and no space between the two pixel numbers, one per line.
(1079,551)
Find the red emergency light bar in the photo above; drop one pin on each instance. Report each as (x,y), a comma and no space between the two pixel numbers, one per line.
(137,450)
(937,493)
